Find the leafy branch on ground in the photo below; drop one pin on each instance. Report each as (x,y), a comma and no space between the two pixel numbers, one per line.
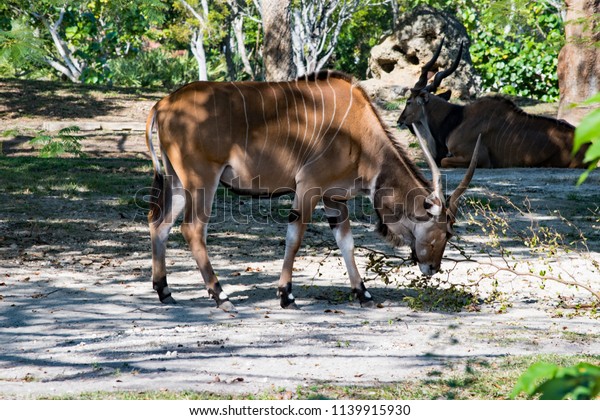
(545,253)
(516,246)
(422,293)
(63,143)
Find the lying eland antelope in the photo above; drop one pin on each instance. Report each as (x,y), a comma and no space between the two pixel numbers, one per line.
(511,137)
(318,137)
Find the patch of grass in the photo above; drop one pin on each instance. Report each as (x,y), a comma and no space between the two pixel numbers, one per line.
(11,132)
(477,379)
(395,105)
(147,395)
(452,299)
(576,337)
(76,176)
(65,142)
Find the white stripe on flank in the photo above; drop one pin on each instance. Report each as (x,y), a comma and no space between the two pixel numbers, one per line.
(334,104)
(287,113)
(266,139)
(212,91)
(292,155)
(312,136)
(276,111)
(339,127)
(322,111)
(246,116)
(305,119)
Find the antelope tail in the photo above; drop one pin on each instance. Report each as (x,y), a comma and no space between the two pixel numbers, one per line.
(150,122)
(159,203)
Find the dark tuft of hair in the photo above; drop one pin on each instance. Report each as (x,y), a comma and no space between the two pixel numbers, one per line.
(156,213)
(385,232)
(327,74)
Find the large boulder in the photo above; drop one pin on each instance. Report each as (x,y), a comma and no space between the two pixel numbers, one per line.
(396,63)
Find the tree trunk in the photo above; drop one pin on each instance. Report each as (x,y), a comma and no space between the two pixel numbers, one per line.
(277,52)
(197,47)
(579,59)
(197,39)
(238,30)
(228,47)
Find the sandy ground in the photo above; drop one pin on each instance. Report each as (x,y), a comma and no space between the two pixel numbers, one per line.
(77,310)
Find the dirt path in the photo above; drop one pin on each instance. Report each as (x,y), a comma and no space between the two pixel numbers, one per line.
(77,311)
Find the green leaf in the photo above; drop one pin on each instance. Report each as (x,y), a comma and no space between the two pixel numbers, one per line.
(528,381)
(557,388)
(593,152)
(581,381)
(41,139)
(69,129)
(70,32)
(588,129)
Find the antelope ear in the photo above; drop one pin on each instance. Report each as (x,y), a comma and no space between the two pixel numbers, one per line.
(433,205)
(424,95)
(445,95)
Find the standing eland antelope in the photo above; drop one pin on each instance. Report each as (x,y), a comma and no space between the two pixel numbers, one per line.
(511,137)
(319,137)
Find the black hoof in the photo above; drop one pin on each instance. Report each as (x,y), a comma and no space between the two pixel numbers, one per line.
(364,297)
(168,300)
(286,299)
(291,305)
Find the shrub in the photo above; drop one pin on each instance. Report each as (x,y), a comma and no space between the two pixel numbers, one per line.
(154,68)
(64,142)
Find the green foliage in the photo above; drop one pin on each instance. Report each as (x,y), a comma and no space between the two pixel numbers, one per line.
(431,294)
(432,298)
(588,133)
(155,68)
(494,217)
(514,43)
(18,50)
(64,142)
(552,382)
(520,58)
(358,36)
(92,31)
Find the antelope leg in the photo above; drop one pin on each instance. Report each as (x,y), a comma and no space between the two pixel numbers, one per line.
(300,215)
(339,221)
(194,229)
(166,206)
